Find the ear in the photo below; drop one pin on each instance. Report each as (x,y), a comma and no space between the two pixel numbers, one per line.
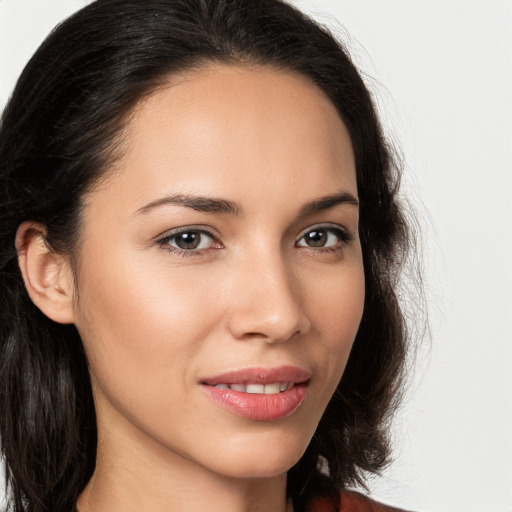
(48,276)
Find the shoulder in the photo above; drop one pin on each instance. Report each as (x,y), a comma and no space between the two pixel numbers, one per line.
(351,501)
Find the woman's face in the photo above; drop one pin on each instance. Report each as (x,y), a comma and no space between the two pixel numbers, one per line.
(220,283)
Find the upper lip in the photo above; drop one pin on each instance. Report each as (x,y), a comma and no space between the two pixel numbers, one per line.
(258,375)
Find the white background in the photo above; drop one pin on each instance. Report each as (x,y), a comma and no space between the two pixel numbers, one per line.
(442,74)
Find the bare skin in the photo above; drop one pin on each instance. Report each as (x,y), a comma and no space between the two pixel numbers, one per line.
(276,279)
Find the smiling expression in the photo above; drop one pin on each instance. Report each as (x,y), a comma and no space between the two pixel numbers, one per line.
(218,262)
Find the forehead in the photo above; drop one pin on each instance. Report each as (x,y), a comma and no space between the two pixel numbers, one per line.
(225,129)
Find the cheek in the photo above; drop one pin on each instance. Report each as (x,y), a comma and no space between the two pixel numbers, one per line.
(138,320)
(337,308)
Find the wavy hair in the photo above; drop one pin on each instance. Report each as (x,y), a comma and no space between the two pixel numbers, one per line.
(58,136)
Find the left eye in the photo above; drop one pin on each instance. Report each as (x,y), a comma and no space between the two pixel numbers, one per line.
(189,240)
(322,237)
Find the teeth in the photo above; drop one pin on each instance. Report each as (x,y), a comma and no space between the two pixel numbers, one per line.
(272,389)
(255,388)
(260,389)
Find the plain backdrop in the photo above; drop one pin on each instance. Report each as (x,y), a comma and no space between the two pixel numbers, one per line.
(441,72)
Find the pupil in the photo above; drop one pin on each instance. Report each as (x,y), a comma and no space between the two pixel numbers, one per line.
(317,238)
(187,240)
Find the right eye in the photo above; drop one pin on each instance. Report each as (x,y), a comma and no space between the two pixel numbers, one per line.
(188,242)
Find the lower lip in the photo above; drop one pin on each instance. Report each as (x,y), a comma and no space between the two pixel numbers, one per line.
(259,407)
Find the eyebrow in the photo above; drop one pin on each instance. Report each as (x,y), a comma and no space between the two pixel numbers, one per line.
(328,202)
(224,206)
(199,203)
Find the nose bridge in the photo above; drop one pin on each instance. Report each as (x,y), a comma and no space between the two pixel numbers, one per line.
(267,299)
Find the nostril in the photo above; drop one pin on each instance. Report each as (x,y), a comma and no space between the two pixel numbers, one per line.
(270,332)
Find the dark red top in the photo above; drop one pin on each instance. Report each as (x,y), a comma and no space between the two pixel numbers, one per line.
(352,502)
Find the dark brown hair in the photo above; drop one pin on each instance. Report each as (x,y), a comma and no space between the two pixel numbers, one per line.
(57,134)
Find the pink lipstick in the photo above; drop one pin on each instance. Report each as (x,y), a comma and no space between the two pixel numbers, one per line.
(259,394)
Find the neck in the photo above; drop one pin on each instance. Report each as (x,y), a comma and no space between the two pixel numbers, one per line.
(134,472)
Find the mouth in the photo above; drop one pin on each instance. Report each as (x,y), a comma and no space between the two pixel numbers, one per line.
(259,394)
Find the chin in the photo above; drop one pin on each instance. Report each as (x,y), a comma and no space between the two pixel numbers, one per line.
(260,459)
(258,469)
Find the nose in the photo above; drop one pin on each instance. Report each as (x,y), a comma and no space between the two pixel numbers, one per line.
(267,302)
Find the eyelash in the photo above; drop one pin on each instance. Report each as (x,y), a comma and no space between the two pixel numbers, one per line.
(344,238)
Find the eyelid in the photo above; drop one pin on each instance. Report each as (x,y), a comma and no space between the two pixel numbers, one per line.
(326,226)
(184,229)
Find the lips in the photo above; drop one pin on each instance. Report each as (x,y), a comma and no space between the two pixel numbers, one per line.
(260,394)
(260,376)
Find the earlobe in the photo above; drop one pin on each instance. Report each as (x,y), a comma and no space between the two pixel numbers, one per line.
(47,275)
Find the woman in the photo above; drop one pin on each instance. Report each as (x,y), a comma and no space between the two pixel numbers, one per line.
(199,227)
